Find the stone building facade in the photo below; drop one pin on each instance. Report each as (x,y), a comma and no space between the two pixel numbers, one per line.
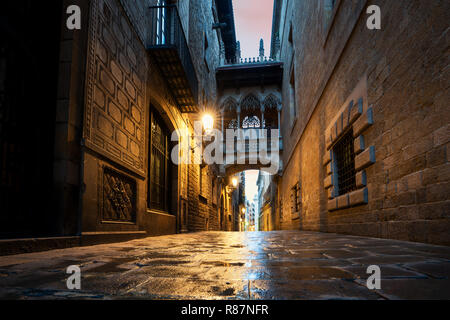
(268,219)
(137,82)
(86,152)
(365,120)
(119,114)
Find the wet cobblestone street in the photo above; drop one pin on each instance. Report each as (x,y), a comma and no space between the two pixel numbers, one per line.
(221,265)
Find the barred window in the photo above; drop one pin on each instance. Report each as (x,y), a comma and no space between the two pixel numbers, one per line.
(281,209)
(296,198)
(344,155)
(162,21)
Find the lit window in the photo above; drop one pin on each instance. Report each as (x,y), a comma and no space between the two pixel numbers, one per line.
(161,23)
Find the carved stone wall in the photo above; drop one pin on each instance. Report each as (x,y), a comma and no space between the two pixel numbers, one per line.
(119,197)
(117,71)
(122,82)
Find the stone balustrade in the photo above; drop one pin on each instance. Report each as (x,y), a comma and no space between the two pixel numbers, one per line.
(251,60)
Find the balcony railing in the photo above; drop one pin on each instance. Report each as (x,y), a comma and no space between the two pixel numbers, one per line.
(168,45)
(252,60)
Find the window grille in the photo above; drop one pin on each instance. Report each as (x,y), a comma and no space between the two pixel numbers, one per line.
(159,169)
(296,198)
(161,18)
(344,154)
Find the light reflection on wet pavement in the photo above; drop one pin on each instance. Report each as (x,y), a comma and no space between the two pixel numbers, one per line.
(231,265)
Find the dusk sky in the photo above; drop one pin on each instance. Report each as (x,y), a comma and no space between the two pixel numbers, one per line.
(253,20)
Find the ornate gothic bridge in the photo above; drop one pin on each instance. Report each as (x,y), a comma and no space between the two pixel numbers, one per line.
(250,108)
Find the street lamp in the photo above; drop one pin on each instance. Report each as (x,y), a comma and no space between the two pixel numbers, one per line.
(208,126)
(208,123)
(234,182)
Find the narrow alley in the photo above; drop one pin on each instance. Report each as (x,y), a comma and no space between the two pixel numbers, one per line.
(224,150)
(246,265)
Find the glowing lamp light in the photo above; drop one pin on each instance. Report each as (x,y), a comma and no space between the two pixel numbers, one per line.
(208,122)
(234,182)
(243,210)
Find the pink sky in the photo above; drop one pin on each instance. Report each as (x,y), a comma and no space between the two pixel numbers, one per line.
(253,20)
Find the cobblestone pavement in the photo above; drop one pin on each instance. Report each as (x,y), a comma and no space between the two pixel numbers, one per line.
(220,265)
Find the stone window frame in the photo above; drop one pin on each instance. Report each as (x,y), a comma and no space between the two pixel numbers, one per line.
(344,154)
(358,115)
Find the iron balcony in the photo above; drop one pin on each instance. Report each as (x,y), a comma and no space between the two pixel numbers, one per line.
(168,46)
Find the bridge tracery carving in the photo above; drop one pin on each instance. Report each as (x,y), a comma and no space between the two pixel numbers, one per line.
(271,102)
(271,115)
(252,111)
(250,103)
(251,122)
(229,113)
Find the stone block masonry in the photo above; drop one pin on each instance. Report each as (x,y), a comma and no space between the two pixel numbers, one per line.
(352,116)
(123,83)
(401,126)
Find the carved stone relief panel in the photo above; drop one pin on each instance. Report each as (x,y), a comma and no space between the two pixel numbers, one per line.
(115,96)
(118,197)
